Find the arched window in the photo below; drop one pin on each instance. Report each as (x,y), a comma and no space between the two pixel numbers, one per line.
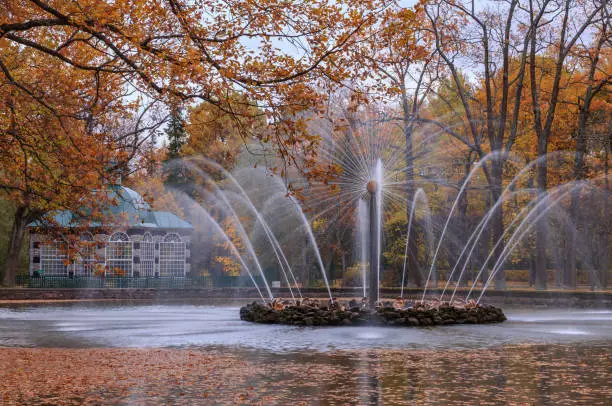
(147,256)
(54,258)
(86,255)
(172,237)
(172,256)
(119,255)
(119,237)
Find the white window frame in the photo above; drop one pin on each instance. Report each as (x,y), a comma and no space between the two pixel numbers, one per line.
(172,256)
(85,264)
(147,256)
(53,256)
(119,253)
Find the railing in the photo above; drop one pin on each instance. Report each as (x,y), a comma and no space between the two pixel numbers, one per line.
(188,282)
(79,282)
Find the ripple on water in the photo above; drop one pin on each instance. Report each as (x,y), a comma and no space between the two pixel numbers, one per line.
(571,332)
(185,325)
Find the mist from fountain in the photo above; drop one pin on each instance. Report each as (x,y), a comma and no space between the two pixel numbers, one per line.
(245,239)
(477,233)
(477,166)
(314,244)
(529,210)
(475,236)
(273,242)
(543,200)
(419,194)
(278,251)
(375,159)
(232,247)
(274,197)
(219,194)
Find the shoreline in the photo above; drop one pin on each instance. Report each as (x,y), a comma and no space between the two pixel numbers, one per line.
(511,297)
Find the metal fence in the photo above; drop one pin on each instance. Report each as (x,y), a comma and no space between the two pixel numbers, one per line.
(127,282)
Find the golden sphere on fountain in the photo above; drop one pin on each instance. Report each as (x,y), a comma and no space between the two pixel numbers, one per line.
(372,186)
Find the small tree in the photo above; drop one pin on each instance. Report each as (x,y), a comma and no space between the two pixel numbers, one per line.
(174,171)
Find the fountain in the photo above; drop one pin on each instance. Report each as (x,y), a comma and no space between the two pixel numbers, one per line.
(370,310)
(372,180)
(354,313)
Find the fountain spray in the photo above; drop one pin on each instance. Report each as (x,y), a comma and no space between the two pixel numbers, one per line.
(374,188)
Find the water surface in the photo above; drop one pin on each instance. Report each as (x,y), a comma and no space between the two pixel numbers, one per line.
(199,354)
(198,325)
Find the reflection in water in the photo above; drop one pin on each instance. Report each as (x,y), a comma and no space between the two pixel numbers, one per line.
(514,374)
(537,357)
(369,385)
(524,374)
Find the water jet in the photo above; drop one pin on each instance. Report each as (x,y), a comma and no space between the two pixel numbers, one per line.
(372,188)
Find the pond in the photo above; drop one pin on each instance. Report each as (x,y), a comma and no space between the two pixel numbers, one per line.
(536,357)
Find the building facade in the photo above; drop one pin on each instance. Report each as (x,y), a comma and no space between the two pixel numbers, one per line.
(148,244)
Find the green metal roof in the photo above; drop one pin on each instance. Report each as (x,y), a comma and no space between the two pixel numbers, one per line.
(130,202)
(165,219)
(63,218)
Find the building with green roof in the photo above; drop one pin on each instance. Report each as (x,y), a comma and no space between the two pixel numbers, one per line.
(145,243)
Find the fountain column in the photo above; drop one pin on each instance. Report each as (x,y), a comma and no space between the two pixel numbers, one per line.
(374,254)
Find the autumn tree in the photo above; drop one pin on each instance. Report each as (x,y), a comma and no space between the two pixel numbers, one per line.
(219,136)
(214,135)
(224,256)
(55,152)
(457,154)
(594,57)
(397,54)
(489,38)
(274,53)
(561,38)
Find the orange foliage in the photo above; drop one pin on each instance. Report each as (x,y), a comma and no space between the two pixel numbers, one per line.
(53,157)
(229,263)
(181,51)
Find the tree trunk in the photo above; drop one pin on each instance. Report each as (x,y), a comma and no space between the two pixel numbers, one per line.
(579,174)
(485,241)
(497,220)
(11,264)
(559,265)
(542,164)
(542,223)
(531,269)
(579,163)
(413,274)
(463,228)
(569,265)
(343,259)
(606,256)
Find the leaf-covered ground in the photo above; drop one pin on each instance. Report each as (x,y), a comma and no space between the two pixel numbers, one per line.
(505,375)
